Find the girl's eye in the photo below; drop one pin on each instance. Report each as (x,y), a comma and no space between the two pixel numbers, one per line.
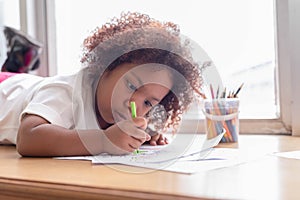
(148,103)
(131,86)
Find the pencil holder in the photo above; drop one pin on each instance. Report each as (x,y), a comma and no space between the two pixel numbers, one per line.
(222,115)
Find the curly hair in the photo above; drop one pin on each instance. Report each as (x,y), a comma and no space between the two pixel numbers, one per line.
(136,38)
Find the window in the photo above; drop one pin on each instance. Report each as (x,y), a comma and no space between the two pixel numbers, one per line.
(9,13)
(239,39)
(9,16)
(247,40)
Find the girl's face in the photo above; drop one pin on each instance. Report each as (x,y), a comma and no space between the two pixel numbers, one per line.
(146,85)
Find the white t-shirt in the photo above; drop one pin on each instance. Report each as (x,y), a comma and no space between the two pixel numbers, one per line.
(67,101)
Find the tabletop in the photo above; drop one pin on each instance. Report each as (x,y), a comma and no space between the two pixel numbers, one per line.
(268,177)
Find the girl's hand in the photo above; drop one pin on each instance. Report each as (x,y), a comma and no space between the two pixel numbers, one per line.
(126,136)
(158,139)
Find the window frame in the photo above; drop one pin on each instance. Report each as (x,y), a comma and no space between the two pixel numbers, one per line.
(287,45)
(37,18)
(40,20)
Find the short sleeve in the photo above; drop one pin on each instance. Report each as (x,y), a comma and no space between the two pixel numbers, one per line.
(53,102)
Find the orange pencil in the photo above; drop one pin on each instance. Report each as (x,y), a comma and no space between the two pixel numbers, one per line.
(216,107)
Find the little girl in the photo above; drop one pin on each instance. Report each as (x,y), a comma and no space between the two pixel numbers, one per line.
(133,58)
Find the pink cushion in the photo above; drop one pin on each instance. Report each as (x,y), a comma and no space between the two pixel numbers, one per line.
(5,75)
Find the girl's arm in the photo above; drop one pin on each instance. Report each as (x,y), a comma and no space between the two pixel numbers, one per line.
(37,137)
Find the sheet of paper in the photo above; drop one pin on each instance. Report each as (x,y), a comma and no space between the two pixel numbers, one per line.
(289,154)
(187,153)
(182,145)
(216,159)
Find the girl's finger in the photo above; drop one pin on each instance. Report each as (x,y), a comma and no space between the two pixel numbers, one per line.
(131,129)
(154,139)
(158,139)
(141,136)
(140,122)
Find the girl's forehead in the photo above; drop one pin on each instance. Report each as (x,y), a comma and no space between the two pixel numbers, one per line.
(151,73)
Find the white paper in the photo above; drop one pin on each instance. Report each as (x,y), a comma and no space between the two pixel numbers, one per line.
(187,153)
(181,146)
(289,154)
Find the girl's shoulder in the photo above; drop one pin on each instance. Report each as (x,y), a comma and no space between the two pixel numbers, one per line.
(20,81)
